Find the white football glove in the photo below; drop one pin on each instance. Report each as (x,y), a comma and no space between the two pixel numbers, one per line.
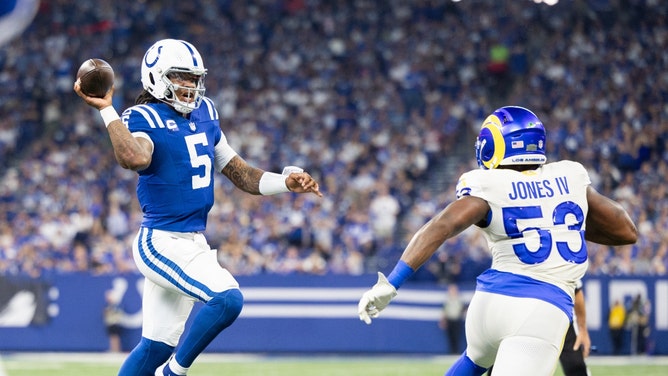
(376,299)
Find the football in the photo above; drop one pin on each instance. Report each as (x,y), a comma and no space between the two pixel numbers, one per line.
(95,77)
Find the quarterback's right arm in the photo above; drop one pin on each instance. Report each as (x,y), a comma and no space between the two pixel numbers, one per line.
(607,221)
(131,153)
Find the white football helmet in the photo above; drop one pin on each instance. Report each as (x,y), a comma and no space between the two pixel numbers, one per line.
(172,56)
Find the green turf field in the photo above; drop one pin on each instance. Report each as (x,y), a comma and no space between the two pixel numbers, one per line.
(217,365)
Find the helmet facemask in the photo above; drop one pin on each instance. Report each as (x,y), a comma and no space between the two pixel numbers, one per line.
(192,95)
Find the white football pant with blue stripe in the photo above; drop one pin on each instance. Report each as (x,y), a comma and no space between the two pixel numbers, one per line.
(180,268)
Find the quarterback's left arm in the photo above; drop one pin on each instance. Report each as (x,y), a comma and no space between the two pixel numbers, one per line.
(259,182)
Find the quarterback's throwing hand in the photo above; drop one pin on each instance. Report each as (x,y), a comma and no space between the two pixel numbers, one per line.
(98,103)
(376,299)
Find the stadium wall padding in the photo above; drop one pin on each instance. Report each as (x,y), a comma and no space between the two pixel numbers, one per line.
(295,314)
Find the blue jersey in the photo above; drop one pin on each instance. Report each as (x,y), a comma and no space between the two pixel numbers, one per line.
(176,190)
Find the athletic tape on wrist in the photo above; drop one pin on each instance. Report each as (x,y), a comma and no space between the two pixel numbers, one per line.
(272,183)
(109,114)
(287,170)
(399,274)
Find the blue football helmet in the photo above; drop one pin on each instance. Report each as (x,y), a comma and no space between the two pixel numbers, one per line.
(511,135)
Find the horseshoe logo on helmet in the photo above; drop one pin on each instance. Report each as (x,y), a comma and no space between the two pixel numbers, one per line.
(157,56)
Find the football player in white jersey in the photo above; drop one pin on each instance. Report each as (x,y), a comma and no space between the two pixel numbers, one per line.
(172,138)
(577,344)
(536,217)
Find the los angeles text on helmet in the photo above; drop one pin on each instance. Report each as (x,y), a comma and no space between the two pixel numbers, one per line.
(528,160)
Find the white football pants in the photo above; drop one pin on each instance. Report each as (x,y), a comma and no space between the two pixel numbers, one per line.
(180,268)
(519,336)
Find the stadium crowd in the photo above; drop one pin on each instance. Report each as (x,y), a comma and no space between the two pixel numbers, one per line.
(379,100)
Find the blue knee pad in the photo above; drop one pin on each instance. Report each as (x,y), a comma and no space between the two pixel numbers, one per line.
(219,313)
(228,304)
(145,358)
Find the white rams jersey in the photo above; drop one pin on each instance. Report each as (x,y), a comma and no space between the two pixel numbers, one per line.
(535,227)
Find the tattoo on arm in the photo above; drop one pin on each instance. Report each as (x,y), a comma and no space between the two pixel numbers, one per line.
(130,152)
(243,175)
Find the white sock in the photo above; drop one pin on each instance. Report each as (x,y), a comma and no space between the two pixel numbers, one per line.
(175,367)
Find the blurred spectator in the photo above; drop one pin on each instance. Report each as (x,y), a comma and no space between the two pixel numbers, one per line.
(452,319)
(637,322)
(383,212)
(373,94)
(112,317)
(616,324)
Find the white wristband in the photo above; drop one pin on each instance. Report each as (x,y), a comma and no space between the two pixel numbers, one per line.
(272,183)
(109,114)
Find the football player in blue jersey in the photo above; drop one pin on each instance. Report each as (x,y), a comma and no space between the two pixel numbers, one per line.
(172,139)
(536,217)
